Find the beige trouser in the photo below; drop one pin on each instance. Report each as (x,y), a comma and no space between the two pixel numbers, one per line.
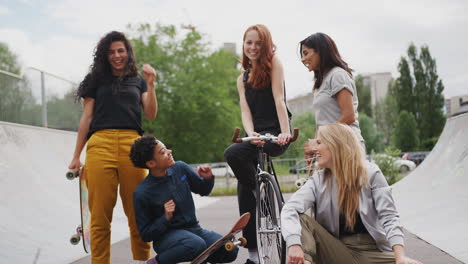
(108,166)
(320,247)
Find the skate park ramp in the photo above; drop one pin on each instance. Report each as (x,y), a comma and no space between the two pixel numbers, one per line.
(39,207)
(433,199)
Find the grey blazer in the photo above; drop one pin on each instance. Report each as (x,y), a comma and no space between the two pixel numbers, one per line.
(376,208)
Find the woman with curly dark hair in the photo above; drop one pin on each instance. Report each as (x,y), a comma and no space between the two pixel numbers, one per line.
(114,96)
(263,106)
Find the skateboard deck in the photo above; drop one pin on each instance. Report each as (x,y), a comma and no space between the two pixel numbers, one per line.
(228,241)
(83,231)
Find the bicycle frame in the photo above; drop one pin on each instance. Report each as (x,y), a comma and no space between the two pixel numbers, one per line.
(264,159)
(270,200)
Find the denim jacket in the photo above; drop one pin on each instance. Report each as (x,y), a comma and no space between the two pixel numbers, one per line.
(149,198)
(376,208)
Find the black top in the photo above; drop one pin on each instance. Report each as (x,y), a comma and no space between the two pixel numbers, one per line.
(118,104)
(153,192)
(358,226)
(262,106)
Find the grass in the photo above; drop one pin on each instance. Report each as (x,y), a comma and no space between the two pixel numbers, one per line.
(223,191)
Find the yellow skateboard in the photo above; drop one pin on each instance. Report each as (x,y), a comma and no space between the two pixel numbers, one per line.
(83,231)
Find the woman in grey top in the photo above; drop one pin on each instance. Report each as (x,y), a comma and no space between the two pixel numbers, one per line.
(354,215)
(335,96)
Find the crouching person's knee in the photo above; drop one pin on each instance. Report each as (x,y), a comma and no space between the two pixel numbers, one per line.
(195,246)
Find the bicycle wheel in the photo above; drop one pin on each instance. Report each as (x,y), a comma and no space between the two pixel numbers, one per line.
(270,243)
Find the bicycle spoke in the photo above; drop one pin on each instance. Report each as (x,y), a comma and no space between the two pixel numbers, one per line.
(268,225)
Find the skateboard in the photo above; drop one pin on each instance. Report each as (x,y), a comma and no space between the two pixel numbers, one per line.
(83,231)
(229,241)
(300,182)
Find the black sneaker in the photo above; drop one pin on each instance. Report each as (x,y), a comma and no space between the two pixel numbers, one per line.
(249,262)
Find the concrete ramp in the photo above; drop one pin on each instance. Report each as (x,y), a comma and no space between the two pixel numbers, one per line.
(39,207)
(433,199)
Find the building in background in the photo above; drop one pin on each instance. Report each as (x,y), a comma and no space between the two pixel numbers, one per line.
(378,84)
(300,104)
(229,46)
(456,103)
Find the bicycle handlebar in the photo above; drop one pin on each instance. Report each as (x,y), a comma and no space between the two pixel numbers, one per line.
(267,137)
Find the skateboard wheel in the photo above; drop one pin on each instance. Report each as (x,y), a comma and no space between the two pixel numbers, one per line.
(75,239)
(229,246)
(299,182)
(243,241)
(71,174)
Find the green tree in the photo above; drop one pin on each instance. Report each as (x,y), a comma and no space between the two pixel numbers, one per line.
(418,90)
(364,96)
(306,124)
(372,137)
(63,113)
(386,115)
(406,132)
(16,97)
(197,110)
(387,165)
(8,60)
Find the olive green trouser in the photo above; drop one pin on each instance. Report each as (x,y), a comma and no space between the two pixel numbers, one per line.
(321,247)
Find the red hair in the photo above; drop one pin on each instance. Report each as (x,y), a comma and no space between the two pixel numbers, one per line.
(260,77)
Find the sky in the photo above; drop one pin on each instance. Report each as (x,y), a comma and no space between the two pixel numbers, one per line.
(59,36)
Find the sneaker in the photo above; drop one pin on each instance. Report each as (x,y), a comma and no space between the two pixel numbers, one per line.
(151,261)
(139,262)
(249,262)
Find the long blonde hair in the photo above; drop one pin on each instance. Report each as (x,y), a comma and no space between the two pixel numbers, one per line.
(348,167)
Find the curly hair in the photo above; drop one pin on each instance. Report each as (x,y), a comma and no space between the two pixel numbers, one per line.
(142,151)
(100,71)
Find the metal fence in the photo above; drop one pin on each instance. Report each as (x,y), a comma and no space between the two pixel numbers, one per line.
(288,172)
(38,98)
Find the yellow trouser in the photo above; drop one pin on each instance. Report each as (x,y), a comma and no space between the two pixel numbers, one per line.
(107,166)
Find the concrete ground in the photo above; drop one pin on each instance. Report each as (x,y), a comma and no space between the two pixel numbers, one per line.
(219,217)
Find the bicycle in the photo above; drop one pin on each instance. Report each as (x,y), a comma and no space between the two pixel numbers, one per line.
(270,244)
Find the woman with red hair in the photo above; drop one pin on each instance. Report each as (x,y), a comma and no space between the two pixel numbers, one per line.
(263,106)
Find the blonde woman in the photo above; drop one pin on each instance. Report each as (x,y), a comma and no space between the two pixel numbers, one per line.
(354,216)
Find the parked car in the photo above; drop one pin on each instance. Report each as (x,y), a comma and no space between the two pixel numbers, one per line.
(402,164)
(416,157)
(300,167)
(221,170)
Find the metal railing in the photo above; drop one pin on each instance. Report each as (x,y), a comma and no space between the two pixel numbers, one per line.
(287,170)
(38,98)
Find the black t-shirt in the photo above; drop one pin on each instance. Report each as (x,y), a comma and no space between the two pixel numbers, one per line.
(262,106)
(358,226)
(117,104)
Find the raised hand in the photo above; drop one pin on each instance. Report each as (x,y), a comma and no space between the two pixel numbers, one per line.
(309,149)
(149,73)
(205,172)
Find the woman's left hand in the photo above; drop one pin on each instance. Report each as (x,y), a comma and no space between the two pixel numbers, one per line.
(406,260)
(149,73)
(283,139)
